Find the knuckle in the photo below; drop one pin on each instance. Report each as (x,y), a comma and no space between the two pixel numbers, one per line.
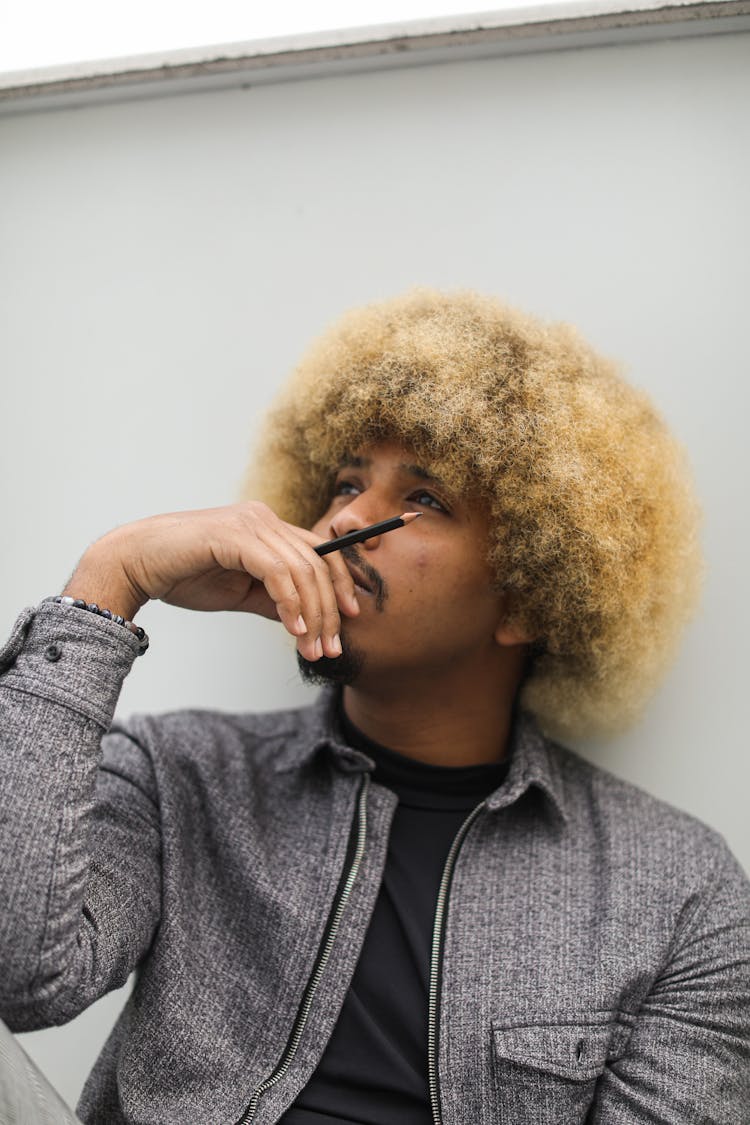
(234,520)
(289,603)
(314,617)
(253,511)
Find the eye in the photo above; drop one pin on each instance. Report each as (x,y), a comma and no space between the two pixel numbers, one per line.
(427,500)
(346,488)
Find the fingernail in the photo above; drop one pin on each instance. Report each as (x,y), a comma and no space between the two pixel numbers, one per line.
(299,625)
(336,644)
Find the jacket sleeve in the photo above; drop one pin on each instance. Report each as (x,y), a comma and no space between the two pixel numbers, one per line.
(687,1061)
(80,855)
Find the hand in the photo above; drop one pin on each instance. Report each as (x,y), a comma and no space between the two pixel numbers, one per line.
(241,557)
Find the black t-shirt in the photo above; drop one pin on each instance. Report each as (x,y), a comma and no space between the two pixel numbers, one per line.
(374,1069)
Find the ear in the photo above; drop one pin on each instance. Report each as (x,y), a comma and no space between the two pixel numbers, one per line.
(509,633)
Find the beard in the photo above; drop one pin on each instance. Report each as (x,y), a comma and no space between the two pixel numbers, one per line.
(344,669)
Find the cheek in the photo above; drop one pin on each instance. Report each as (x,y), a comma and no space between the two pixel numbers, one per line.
(432,577)
(421,572)
(422,562)
(323,523)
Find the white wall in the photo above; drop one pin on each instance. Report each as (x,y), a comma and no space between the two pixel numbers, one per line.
(165,262)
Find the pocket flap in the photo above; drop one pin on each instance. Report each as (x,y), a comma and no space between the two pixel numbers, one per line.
(577,1051)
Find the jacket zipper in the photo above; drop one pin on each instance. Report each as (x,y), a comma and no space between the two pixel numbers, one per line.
(435,965)
(320,964)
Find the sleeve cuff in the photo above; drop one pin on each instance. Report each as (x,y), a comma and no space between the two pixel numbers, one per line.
(70,657)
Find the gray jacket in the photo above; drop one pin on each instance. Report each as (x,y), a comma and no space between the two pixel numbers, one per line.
(592,953)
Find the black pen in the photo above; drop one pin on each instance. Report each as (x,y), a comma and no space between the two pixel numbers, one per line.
(365,533)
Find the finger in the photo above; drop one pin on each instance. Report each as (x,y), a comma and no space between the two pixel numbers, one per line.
(346,594)
(343,583)
(251,537)
(267,565)
(292,555)
(289,563)
(315,585)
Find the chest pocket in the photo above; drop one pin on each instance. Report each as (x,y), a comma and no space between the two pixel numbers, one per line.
(546,1073)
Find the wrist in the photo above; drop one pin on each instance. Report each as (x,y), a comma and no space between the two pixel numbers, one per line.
(102,579)
(92,607)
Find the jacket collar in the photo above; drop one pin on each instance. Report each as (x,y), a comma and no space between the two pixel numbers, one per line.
(534,763)
(534,759)
(317,730)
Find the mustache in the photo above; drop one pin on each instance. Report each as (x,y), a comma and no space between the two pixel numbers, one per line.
(375,581)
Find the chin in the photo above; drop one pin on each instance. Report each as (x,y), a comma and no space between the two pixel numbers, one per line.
(344,669)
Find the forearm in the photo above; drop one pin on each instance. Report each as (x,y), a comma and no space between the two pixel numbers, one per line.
(60,678)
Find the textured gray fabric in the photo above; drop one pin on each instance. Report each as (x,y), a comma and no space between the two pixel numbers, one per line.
(596,965)
(26,1097)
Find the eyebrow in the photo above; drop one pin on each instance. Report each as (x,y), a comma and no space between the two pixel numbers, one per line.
(417,471)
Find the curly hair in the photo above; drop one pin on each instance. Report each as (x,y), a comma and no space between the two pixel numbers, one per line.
(594,524)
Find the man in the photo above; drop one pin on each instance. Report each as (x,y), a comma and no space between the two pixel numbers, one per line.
(406,904)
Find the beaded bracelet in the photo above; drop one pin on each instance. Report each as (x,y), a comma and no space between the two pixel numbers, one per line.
(92,607)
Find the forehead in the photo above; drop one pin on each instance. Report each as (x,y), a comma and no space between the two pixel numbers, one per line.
(394,458)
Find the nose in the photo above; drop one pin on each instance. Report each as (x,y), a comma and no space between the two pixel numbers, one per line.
(359,513)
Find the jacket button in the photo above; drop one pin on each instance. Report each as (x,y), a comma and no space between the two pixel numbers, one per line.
(52,653)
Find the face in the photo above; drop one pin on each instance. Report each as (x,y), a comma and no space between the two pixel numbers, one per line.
(425,590)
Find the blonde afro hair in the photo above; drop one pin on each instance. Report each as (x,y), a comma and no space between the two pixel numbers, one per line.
(592,513)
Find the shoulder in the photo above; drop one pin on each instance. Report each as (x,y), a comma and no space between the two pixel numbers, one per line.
(643,833)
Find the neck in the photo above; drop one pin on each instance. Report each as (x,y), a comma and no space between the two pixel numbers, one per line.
(445,721)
